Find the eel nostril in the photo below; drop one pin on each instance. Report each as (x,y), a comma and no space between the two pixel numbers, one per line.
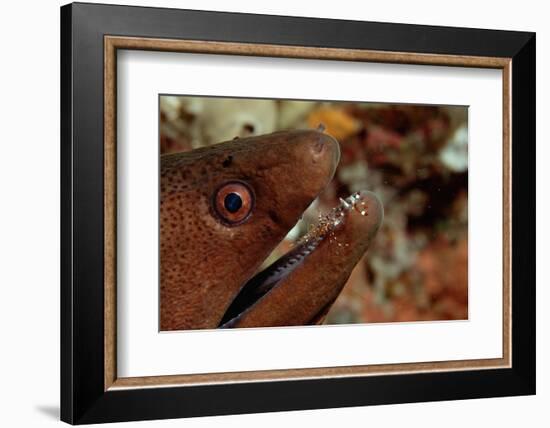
(318,146)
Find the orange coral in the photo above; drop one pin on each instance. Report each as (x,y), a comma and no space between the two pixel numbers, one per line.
(337,122)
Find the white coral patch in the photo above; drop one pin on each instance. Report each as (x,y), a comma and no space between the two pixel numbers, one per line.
(455,154)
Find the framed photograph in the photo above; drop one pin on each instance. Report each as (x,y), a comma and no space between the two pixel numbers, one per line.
(266,213)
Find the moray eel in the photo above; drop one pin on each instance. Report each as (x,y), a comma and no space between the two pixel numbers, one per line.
(223,210)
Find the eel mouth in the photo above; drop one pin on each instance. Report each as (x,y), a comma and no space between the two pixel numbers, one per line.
(338,240)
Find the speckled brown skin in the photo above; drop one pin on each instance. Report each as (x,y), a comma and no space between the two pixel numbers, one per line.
(204,262)
(306,294)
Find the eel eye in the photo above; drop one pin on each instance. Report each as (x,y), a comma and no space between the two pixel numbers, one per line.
(233,202)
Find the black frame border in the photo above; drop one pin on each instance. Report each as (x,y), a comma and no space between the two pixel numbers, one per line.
(83,399)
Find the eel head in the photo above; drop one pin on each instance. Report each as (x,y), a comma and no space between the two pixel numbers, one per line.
(225,208)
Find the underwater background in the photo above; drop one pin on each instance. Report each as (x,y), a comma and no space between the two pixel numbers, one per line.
(414,157)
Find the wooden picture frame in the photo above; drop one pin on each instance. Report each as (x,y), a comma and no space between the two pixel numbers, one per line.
(91,391)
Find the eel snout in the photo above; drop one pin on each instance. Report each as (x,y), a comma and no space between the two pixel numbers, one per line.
(299,288)
(304,163)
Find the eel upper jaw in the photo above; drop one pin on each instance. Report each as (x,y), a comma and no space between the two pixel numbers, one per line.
(263,283)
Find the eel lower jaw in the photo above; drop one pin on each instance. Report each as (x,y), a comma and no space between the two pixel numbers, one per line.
(328,226)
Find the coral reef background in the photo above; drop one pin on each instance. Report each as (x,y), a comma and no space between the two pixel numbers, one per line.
(415,157)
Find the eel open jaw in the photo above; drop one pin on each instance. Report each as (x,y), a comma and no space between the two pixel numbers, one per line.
(307,279)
